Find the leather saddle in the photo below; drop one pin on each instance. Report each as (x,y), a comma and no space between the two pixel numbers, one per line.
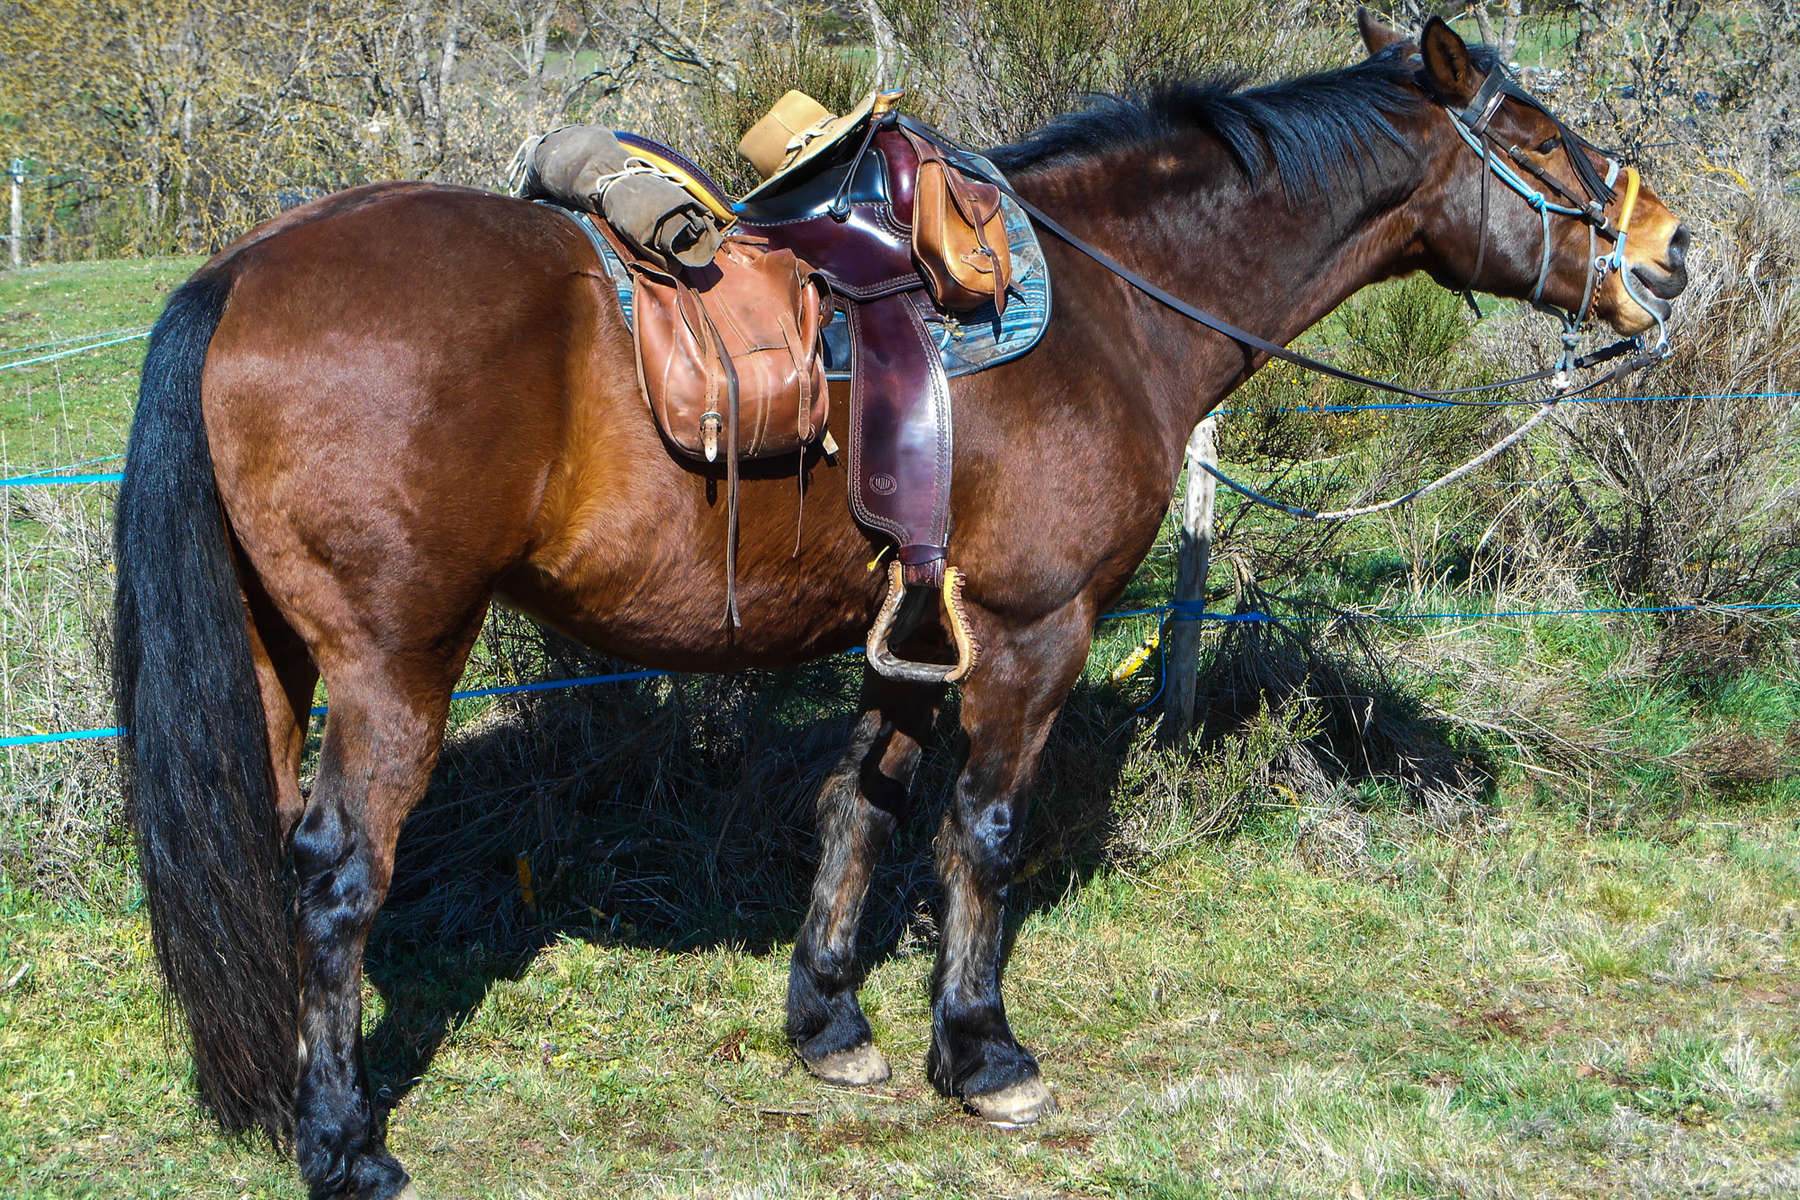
(849,215)
(851,218)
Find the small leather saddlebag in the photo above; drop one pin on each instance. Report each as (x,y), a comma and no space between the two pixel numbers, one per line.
(958,233)
(744,328)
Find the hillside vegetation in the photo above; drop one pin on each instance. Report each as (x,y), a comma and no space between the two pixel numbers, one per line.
(1465,906)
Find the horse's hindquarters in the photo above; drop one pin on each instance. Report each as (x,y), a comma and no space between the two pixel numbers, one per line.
(386,397)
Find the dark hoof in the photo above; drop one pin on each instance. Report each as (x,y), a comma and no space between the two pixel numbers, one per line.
(1015,1105)
(858,1066)
(373,1175)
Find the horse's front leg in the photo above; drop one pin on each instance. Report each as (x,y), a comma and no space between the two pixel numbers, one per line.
(380,745)
(861,802)
(1008,705)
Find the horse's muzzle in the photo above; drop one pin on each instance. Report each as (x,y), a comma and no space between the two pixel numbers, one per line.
(1669,278)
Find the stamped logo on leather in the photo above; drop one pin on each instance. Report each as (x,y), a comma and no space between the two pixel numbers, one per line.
(882,484)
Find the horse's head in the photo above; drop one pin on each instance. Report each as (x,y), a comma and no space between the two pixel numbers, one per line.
(1522,206)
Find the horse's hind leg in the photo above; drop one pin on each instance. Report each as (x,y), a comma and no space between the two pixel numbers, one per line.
(382,735)
(1007,709)
(286,677)
(859,806)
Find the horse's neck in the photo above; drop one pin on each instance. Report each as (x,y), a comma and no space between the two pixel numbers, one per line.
(1190,222)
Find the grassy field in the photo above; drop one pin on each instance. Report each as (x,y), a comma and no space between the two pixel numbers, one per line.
(1524,1008)
(57,412)
(1573,972)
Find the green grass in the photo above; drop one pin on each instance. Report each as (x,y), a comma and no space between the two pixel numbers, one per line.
(1489,1017)
(78,406)
(1586,989)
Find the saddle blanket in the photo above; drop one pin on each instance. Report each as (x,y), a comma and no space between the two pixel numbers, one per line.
(967,342)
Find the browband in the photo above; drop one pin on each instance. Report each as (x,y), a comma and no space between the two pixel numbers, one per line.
(1498,85)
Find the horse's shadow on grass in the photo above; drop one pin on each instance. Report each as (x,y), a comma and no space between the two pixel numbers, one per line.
(674,816)
(677,814)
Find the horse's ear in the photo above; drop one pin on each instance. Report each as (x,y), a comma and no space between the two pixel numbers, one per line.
(1376,36)
(1447,62)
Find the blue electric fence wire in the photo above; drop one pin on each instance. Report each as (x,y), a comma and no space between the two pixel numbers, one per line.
(50,477)
(1192,610)
(50,471)
(44,358)
(79,337)
(52,480)
(73,735)
(545,685)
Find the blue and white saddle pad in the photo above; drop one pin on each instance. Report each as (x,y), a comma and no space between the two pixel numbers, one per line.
(968,341)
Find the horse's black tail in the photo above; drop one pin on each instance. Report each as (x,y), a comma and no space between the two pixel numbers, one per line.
(197,777)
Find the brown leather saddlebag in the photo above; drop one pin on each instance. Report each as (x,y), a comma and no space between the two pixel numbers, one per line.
(731,351)
(958,233)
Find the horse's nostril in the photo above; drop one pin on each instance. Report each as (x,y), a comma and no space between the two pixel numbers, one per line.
(1678,244)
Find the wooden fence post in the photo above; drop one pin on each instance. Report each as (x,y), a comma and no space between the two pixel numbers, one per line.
(1181,648)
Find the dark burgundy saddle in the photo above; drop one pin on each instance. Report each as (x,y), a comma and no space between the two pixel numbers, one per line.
(850,218)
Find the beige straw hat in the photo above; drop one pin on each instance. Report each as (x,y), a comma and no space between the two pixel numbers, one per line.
(799,129)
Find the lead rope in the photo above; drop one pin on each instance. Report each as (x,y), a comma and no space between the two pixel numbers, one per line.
(1559,376)
(1474,464)
(1486,456)
(1227,329)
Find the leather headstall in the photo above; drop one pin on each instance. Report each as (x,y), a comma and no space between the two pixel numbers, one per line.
(1472,122)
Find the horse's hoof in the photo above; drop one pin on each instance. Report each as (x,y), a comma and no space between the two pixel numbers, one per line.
(1018,1104)
(859,1066)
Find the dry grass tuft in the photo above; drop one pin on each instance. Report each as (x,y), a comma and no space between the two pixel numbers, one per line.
(1369,728)
(1335,841)
(1727,761)
(1170,797)
(61,802)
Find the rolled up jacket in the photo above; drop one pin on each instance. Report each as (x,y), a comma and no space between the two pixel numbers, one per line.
(584,166)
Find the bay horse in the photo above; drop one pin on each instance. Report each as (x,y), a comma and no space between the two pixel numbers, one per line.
(376,415)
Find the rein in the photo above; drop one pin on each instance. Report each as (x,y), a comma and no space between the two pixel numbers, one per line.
(1558,374)
(1471,123)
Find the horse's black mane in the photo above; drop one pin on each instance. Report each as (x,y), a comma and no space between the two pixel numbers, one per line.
(1309,129)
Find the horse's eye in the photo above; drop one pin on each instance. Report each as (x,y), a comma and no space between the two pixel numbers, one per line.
(1550,143)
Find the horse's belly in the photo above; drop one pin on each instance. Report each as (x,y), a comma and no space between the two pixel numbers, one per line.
(681,621)
(640,571)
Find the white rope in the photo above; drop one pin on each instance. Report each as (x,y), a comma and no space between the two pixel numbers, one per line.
(1474,464)
(521,161)
(633,166)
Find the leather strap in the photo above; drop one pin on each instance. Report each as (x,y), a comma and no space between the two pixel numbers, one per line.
(1251,340)
(900,450)
(1244,337)
(731,467)
(1486,100)
(696,311)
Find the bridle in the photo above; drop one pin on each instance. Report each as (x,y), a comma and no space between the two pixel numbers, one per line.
(1471,123)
